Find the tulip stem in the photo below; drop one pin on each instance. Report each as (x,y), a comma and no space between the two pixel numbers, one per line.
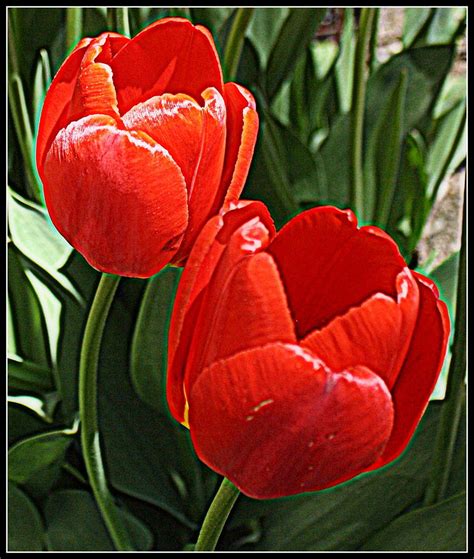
(235,42)
(90,438)
(455,392)
(358,108)
(216,516)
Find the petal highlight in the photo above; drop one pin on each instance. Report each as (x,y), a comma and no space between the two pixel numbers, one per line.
(116,196)
(242,130)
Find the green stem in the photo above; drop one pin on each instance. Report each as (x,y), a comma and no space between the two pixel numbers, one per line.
(358,107)
(117,19)
(235,42)
(90,437)
(216,516)
(73,27)
(455,392)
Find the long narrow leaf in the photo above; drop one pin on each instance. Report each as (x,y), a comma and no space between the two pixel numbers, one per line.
(295,34)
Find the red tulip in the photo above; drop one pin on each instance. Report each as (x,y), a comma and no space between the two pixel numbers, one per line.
(140,142)
(302,359)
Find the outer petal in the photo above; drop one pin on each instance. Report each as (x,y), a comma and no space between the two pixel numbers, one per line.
(191,294)
(276,421)
(169,56)
(377,334)
(421,369)
(55,114)
(116,196)
(328,265)
(242,130)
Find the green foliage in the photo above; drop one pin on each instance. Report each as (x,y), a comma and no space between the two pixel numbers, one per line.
(414,136)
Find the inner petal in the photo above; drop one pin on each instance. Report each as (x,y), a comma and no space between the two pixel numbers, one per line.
(175,122)
(328,265)
(376,334)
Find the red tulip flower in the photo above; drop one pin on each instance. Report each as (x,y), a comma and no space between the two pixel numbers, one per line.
(140,142)
(302,359)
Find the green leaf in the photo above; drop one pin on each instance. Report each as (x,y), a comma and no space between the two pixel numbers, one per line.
(343,517)
(34,235)
(295,34)
(263,31)
(269,176)
(41,82)
(413,22)
(31,336)
(410,206)
(148,359)
(336,155)
(445,277)
(37,239)
(382,157)
(25,527)
(441,527)
(72,324)
(74,523)
(26,376)
(426,68)
(24,131)
(23,423)
(450,138)
(454,91)
(35,462)
(444,25)
(345,63)
(150,456)
(51,307)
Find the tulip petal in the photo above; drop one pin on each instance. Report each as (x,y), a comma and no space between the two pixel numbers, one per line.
(56,111)
(377,334)
(169,56)
(276,421)
(173,121)
(191,294)
(242,130)
(116,196)
(252,311)
(421,368)
(204,185)
(328,265)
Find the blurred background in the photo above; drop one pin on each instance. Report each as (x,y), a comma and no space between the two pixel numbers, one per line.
(359,108)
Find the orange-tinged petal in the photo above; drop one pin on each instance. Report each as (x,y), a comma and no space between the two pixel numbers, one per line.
(376,334)
(276,421)
(116,196)
(169,56)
